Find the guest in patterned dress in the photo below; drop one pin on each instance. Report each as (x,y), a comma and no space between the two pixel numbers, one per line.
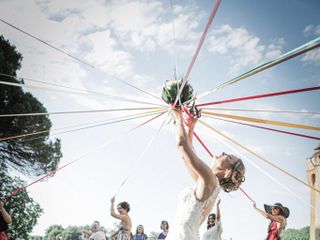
(123,208)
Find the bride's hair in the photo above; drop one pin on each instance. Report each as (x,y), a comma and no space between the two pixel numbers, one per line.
(235,178)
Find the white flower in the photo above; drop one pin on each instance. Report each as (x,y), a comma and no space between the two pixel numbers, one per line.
(174,82)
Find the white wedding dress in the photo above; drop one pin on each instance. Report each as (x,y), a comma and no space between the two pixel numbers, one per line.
(189,215)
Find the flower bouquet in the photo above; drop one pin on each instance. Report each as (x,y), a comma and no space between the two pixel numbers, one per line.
(171,88)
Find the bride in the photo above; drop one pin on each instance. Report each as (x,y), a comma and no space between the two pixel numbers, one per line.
(195,203)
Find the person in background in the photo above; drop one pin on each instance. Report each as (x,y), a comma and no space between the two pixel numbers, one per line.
(96,234)
(140,235)
(214,229)
(164,226)
(5,220)
(123,208)
(277,214)
(85,235)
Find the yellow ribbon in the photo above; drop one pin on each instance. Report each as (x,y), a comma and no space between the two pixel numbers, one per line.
(265,121)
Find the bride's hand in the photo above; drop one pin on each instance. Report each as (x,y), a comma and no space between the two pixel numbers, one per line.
(193,118)
(177,115)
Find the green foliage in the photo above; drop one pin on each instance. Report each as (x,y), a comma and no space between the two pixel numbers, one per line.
(72,233)
(28,157)
(57,232)
(23,209)
(296,234)
(35,238)
(54,232)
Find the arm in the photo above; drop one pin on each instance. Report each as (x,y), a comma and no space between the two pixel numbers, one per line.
(180,121)
(5,215)
(114,214)
(191,125)
(196,167)
(218,211)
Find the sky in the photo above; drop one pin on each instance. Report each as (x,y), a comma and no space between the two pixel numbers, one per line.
(141,42)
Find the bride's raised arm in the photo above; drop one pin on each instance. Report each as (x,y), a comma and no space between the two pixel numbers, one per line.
(198,170)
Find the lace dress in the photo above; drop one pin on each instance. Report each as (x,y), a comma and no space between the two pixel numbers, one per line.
(189,215)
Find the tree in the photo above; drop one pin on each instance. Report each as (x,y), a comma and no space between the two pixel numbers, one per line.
(57,232)
(23,209)
(54,232)
(72,233)
(34,157)
(35,238)
(296,234)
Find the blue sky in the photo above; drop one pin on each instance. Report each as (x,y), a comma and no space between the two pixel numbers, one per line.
(133,40)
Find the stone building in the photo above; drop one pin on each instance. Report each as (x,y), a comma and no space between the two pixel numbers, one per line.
(313,176)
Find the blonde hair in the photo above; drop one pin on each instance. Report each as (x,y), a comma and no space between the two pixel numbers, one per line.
(235,178)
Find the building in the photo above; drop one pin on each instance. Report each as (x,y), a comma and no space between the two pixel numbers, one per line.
(313,176)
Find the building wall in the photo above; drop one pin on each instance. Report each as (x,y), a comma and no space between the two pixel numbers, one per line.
(313,176)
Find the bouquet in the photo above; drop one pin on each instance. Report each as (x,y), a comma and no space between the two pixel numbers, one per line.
(171,88)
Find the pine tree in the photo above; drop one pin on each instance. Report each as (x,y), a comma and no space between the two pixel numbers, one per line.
(32,157)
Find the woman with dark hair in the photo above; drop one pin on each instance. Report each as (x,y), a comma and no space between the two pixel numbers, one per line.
(214,229)
(164,226)
(196,203)
(277,215)
(125,225)
(140,234)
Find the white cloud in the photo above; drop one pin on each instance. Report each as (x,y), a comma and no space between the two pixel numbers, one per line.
(147,26)
(312,56)
(99,32)
(105,55)
(308,29)
(312,30)
(241,47)
(61,7)
(63,34)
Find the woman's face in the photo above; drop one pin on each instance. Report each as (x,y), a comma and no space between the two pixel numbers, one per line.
(164,226)
(140,229)
(275,211)
(211,220)
(226,161)
(120,209)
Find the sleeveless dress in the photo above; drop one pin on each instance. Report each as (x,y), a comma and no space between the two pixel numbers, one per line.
(123,233)
(189,214)
(273,233)
(162,236)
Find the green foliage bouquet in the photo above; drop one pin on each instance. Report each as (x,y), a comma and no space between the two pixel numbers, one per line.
(171,88)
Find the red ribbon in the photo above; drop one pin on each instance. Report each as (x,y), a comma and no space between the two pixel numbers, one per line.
(259,96)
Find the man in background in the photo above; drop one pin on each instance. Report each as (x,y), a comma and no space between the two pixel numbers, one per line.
(97,234)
